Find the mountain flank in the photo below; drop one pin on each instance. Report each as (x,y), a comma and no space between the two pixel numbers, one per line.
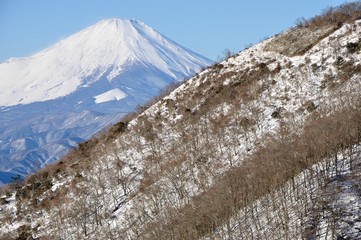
(263,145)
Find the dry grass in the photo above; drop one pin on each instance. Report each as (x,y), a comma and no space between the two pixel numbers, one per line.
(307,33)
(298,41)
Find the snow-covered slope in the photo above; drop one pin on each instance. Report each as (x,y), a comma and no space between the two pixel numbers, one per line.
(99,73)
(243,150)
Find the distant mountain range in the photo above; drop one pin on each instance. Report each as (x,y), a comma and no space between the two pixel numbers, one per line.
(64,94)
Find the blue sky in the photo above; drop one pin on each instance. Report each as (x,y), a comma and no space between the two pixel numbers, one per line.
(206,27)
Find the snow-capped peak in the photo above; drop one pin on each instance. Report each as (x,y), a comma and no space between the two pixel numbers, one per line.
(80,85)
(103,50)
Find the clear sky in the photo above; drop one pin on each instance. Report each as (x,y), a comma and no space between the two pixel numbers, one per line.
(206,27)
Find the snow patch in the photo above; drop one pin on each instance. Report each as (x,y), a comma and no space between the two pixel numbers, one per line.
(111,95)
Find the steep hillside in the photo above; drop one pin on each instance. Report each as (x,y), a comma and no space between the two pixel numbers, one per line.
(64,94)
(250,148)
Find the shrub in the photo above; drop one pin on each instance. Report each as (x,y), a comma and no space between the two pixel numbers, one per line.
(276,114)
(310,106)
(24,233)
(335,16)
(353,47)
(116,129)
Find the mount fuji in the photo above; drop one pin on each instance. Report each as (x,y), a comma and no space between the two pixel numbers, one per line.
(64,94)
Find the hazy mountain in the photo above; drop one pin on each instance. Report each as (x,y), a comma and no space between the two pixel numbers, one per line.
(64,94)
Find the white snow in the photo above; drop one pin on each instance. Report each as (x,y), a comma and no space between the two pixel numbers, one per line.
(111,95)
(102,50)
